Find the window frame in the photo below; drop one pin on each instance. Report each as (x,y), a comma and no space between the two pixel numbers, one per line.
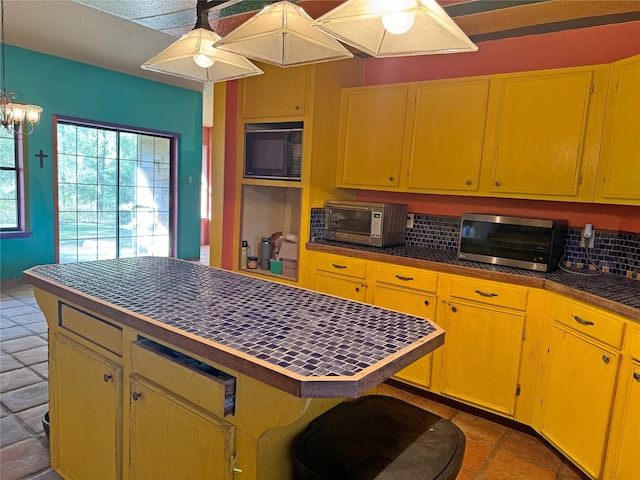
(21,231)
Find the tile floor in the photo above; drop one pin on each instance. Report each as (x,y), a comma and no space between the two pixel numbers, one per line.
(494,451)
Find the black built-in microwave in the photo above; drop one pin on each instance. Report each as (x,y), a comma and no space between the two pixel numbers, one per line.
(531,243)
(273,150)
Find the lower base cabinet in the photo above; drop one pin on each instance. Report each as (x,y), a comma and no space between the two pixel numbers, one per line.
(576,405)
(85,412)
(171,438)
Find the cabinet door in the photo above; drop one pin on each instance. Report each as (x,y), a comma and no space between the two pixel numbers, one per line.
(448,135)
(85,415)
(624,459)
(481,355)
(341,287)
(371,137)
(171,439)
(619,168)
(540,127)
(413,303)
(578,397)
(280,92)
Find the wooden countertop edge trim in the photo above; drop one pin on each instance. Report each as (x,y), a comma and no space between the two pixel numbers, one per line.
(278,377)
(549,285)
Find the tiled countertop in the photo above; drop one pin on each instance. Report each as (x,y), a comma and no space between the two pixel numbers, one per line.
(613,292)
(303,342)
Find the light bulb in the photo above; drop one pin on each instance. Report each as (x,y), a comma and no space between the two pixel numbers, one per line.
(202,60)
(398,23)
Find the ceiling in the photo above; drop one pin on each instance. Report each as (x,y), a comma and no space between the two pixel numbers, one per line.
(122,34)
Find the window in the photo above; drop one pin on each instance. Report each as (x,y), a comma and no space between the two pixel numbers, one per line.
(11,183)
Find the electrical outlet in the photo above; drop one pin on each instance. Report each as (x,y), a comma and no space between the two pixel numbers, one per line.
(589,243)
(409,220)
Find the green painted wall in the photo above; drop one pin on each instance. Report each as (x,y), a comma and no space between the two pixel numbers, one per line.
(63,87)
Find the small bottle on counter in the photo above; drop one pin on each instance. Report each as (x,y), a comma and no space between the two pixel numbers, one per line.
(252,262)
(244,255)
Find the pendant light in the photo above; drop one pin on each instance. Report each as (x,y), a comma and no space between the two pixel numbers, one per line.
(194,57)
(281,34)
(395,28)
(14,115)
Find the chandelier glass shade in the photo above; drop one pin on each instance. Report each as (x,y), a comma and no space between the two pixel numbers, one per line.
(282,34)
(14,116)
(194,57)
(395,28)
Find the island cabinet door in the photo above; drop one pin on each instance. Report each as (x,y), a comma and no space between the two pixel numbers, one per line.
(85,413)
(172,439)
(481,355)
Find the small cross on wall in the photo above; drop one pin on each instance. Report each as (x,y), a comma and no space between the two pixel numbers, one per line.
(41,155)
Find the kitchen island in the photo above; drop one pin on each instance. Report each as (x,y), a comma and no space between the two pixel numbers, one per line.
(161,368)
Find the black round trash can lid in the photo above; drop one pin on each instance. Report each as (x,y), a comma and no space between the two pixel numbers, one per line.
(378,437)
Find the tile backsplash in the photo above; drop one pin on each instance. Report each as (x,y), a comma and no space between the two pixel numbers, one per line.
(613,252)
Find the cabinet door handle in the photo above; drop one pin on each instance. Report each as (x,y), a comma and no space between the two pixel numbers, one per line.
(404,279)
(357,289)
(498,184)
(581,321)
(636,376)
(426,302)
(486,294)
(605,359)
(136,396)
(335,265)
(469,182)
(106,377)
(454,309)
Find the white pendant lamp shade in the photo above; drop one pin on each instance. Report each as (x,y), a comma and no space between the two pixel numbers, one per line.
(421,27)
(194,57)
(281,34)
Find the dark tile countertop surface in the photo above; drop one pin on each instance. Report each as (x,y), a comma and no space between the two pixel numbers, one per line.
(301,341)
(619,294)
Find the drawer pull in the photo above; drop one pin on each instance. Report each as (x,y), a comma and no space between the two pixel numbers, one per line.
(106,377)
(605,359)
(486,294)
(454,309)
(335,265)
(136,396)
(426,302)
(404,279)
(636,376)
(581,321)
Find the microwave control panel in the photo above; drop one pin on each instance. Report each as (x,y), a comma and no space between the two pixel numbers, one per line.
(376,224)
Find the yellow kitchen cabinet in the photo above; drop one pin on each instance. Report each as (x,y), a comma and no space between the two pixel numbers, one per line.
(543,134)
(341,276)
(484,323)
(580,361)
(171,438)
(84,412)
(619,168)
(370,145)
(280,92)
(622,454)
(410,291)
(448,136)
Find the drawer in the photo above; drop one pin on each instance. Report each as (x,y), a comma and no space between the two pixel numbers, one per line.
(634,342)
(92,328)
(351,267)
(594,323)
(195,381)
(407,277)
(490,293)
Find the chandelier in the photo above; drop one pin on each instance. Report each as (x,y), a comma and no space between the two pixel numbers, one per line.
(14,115)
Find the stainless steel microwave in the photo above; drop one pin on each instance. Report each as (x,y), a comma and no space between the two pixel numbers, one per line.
(273,150)
(531,243)
(376,224)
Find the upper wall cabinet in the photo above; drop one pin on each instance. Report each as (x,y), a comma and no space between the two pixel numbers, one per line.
(372,125)
(447,136)
(619,169)
(280,92)
(544,133)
